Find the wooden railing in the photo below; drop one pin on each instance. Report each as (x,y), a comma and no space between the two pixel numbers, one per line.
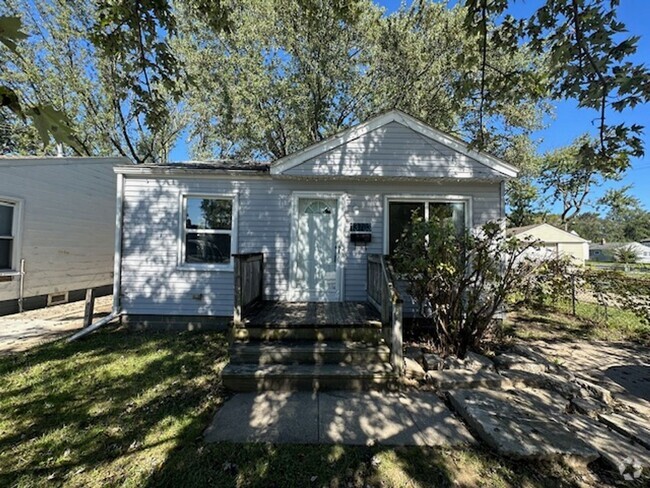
(249,282)
(383,295)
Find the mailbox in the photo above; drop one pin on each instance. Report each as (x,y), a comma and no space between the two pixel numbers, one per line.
(360,233)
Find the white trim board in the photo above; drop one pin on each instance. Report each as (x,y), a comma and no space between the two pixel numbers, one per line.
(299,157)
(234,228)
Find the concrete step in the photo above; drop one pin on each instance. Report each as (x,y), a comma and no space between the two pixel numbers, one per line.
(253,377)
(308,352)
(357,333)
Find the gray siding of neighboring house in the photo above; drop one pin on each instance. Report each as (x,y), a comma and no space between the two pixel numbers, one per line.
(67,232)
(394,150)
(153,283)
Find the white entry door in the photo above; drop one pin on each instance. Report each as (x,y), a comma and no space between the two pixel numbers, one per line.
(315,275)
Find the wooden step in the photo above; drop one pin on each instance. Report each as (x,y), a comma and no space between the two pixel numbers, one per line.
(285,377)
(355,333)
(307,352)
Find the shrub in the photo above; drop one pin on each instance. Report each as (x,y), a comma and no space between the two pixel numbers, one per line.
(460,279)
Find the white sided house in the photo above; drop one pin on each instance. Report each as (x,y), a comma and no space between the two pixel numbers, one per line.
(57,229)
(303,239)
(555,242)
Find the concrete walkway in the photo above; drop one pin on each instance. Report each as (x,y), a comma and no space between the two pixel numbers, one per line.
(364,418)
(621,367)
(22,331)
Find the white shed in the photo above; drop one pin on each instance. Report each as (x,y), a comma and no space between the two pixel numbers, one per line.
(556,242)
(57,229)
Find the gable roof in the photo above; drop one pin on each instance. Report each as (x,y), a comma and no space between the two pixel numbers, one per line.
(290,161)
(530,229)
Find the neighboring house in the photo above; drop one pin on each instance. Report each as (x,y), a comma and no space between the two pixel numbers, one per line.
(607,252)
(555,242)
(57,229)
(293,250)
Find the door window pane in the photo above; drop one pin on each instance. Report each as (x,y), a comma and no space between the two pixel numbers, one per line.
(207,248)
(6,220)
(399,217)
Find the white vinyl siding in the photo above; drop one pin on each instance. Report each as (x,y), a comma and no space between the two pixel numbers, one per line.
(394,150)
(67,225)
(153,283)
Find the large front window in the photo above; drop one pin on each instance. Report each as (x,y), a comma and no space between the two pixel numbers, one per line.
(401,212)
(8,226)
(208,230)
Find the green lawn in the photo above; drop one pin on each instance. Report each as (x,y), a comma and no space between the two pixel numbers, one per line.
(590,322)
(128,409)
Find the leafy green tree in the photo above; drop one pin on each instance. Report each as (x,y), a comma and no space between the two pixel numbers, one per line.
(588,62)
(58,67)
(49,122)
(626,255)
(282,78)
(286,76)
(523,203)
(568,175)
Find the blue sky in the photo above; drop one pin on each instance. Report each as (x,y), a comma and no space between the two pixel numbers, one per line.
(569,121)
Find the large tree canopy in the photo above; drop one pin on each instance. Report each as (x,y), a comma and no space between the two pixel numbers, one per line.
(285,76)
(263,78)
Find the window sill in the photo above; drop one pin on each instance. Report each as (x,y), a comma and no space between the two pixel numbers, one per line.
(228,268)
(9,272)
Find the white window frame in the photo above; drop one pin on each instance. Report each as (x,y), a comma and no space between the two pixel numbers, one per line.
(425,199)
(16,234)
(230,266)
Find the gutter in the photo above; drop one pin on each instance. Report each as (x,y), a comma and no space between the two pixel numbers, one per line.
(117,267)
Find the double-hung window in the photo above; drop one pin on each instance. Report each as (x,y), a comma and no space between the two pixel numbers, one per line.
(208,237)
(8,235)
(402,210)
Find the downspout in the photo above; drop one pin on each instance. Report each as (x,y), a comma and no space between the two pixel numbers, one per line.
(117,266)
(21,286)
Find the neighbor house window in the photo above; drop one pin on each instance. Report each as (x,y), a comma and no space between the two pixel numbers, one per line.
(8,235)
(208,231)
(401,212)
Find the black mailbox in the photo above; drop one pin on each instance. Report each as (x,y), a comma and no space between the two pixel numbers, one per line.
(360,233)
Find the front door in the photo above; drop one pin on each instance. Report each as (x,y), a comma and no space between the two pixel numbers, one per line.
(314,267)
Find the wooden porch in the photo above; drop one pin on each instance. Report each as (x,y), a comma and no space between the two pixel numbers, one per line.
(314,345)
(305,314)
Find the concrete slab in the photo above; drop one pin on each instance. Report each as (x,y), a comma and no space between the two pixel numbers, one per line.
(615,448)
(277,417)
(22,331)
(366,418)
(460,378)
(358,418)
(437,425)
(636,428)
(517,425)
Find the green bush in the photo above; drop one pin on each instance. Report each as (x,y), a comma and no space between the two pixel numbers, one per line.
(460,279)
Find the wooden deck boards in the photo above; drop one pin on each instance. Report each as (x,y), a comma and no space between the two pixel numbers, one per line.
(317,314)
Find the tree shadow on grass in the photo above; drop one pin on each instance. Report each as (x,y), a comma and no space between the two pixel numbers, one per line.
(78,413)
(130,408)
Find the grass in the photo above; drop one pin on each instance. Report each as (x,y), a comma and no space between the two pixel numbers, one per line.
(128,409)
(590,322)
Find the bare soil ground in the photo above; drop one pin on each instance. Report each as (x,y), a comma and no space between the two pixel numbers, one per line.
(22,331)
